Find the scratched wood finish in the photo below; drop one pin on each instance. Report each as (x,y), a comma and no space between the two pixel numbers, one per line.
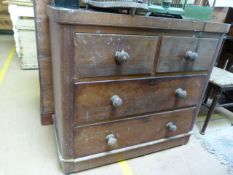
(44,61)
(173,49)
(92,139)
(89,17)
(108,158)
(93,59)
(68,86)
(93,99)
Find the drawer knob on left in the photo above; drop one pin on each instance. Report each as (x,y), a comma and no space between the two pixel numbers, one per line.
(111,140)
(181,93)
(121,56)
(116,101)
(171,126)
(191,56)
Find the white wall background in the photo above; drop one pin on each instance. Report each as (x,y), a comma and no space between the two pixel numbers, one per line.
(224,3)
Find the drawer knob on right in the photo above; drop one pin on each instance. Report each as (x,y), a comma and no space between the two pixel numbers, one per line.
(181,93)
(191,56)
(121,56)
(116,101)
(111,140)
(171,126)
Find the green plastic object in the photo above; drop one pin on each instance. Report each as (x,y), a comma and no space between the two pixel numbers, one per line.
(167,7)
(198,12)
(170,10)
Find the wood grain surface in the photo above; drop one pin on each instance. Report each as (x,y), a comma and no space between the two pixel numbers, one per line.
(44,61)
(92,139)
(93,59)
(173,50)
(89,17)
(83,104)
(139,96)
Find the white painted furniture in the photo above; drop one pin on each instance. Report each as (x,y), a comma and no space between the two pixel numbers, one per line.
(22,18)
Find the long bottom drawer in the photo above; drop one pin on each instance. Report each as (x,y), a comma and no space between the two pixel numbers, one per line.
(107,136)
(80,165)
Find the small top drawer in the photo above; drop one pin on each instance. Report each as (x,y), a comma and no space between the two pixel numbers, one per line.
(181,54)
(111,54)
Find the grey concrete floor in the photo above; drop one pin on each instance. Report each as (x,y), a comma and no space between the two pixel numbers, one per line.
(28,148)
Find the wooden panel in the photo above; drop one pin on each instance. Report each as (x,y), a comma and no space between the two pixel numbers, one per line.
(3,8)
(93,99)
(92,139)
(98,58)
(44,60)
(89,17)
(109,158)
(5,22)
(18,2)
(173,50)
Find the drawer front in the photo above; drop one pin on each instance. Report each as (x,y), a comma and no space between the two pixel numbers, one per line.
(107,100)
(110,54)
(181,54)
(107,136)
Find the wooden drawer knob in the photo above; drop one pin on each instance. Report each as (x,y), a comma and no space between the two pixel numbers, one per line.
(121,56)
(111,140)
(171,126)
(191,56)
(181,93)
(116,101)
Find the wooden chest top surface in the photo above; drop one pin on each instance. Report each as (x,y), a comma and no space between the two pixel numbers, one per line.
(90,17)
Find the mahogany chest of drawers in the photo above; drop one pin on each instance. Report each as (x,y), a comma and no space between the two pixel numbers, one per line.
(126,86)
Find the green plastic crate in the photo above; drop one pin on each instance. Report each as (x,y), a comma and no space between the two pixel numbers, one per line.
(198,12)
